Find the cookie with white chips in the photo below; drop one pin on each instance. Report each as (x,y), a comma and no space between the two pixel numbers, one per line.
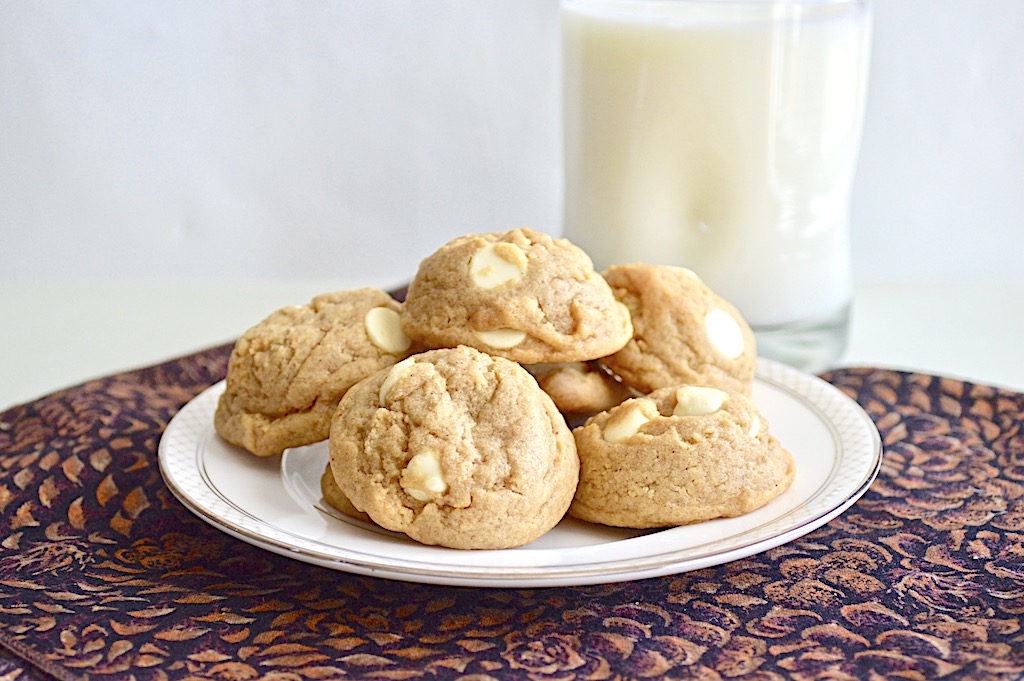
(683,332)
(457,448)
(678,456)
(287,373)
(521,295)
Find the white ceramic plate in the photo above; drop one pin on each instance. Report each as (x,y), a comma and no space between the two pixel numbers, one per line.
(275,503)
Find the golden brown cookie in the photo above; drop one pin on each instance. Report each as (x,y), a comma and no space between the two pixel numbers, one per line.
(583,388)
(678,456)
(336,499)
(683,332)
(287,373)
(456,448)
(520,295)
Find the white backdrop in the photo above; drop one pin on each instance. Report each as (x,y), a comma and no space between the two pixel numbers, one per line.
(239,140)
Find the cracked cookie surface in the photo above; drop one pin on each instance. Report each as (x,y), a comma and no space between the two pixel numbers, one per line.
(678,456)
(683,332)
(287,373)
(520,295)
(456,448)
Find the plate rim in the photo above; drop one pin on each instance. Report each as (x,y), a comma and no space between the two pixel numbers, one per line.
(775,374)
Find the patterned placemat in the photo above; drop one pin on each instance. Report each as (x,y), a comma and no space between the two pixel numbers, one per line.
(104,574)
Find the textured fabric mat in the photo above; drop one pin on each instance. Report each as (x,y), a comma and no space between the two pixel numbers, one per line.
(104,574)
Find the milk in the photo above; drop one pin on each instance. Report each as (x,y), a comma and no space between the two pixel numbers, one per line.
(721,136)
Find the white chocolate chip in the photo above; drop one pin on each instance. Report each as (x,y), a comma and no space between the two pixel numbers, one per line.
(384,327)
(501,339)
(755,427)
(497,264)
(724,333)
(627,420)
(396,372)
(694,400)
(422,478)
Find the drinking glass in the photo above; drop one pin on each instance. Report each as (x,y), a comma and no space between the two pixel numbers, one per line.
(722,136)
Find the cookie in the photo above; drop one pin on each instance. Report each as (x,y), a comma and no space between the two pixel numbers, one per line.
(457,448)
(581,388)
(336,499)
(520,295)
(683,332)
(678,456)
(287,373)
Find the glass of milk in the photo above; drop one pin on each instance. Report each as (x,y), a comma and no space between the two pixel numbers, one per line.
(722,136)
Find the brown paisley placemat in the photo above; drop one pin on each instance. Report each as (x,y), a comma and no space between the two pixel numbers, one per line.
(104,574)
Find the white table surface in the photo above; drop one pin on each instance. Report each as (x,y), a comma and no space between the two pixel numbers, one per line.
(54,336)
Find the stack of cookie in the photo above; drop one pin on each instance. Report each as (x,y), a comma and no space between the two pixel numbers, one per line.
(447,416)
